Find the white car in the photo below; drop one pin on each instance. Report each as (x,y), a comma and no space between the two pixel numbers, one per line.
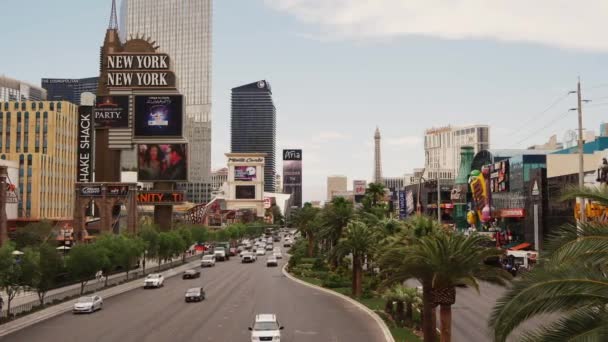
(266,328)
(208,261)
(154,280)
(88,304)
(248,257)
(269,247)
(260,251)
(277,255)
(272,261)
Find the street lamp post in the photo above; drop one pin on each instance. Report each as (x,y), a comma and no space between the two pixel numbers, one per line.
(3,223)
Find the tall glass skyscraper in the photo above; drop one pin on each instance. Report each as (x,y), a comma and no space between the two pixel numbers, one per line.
(67,89)
(254,125)
(182,29)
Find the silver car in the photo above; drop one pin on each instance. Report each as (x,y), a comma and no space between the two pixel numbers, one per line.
(88,304)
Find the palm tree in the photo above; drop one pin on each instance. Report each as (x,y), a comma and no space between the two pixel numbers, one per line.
(305,220)
(376,193)
(358,241)
(394,271)
(571,280)
(389,297)
(453,259)
(334,218)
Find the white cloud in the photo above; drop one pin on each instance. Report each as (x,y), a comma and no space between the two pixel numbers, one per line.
(560,23)
(409,141)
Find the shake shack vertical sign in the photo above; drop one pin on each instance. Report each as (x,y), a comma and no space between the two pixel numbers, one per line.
(126,70)
(85,143)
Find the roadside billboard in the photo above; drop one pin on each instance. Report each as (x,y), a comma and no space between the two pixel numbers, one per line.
(245,173)
(162,162)
(112,112)
(158,116)
(292,175)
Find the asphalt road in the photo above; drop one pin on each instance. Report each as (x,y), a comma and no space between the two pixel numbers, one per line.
(235,293)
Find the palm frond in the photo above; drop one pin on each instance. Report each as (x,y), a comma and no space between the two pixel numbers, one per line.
(585,325)
(547,291)
(595,194)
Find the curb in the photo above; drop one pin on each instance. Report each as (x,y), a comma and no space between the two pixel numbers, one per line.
(59,309)
(385,330)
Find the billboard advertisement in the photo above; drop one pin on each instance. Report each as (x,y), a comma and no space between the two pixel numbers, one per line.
(85,144)
(409,202)
(402,205)
(117,190)
(292,175)
(245,173)
(160,197)
(499,176)
(359,187)
(245,191)
(158,116)
(162,162)
(112,112)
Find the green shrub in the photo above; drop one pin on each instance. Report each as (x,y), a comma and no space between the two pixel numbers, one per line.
(333,280)
(319,265)
(308,260)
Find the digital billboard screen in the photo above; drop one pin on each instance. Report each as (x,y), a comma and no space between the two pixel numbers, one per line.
(162,162)
(112,112)
(245,173)
(292,174)
(245,191)
(158,116)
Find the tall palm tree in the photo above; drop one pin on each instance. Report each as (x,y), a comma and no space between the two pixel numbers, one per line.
(394,271)
(358,240)
(453,259)
(334,218)
(571,280)
(376,193)
(440,260)
(305,221)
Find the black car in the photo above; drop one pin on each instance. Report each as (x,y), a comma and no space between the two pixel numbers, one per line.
(195,294)
(191,274)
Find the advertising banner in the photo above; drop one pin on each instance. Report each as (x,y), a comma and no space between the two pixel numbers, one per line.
(117,190)
(477,182)
(409,202)
(359,187)
(85,144)
(162,162)
(90,190)
(292,175)
(499,176)
(245,191)
(402,205)
(112,112)
(158,116)
(245,173)
(160,197)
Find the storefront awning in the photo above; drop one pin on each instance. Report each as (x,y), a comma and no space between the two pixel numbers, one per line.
(521,246)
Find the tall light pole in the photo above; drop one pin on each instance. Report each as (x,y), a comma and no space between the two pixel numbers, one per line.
(438,200)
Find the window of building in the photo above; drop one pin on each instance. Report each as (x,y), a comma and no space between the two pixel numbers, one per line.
(52,106)
(5,105)
(23,106)
(40,105)
(33,105)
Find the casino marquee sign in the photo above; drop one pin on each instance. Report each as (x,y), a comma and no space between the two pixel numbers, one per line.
(139,70)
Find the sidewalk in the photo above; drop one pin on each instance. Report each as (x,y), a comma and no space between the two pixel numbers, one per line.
(25,300)
(59,309)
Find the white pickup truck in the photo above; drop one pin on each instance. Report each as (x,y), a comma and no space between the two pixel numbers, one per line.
(220,254)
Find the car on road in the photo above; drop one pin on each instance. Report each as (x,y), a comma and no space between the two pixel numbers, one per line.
(208,261)
(220,254)
(260,251)
(154,280)
(248,257)
(191,274)
(195,294)
(277,255)
(269,247)
(233,251)
(266,328)
(272,261)
(88,304)
(287,243)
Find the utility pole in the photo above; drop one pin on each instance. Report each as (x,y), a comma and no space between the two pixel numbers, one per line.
(438,200)
(581,161)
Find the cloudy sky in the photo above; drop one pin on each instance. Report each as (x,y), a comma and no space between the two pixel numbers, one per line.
(339,68)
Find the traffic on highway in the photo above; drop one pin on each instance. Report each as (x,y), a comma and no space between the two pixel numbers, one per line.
(214,300)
